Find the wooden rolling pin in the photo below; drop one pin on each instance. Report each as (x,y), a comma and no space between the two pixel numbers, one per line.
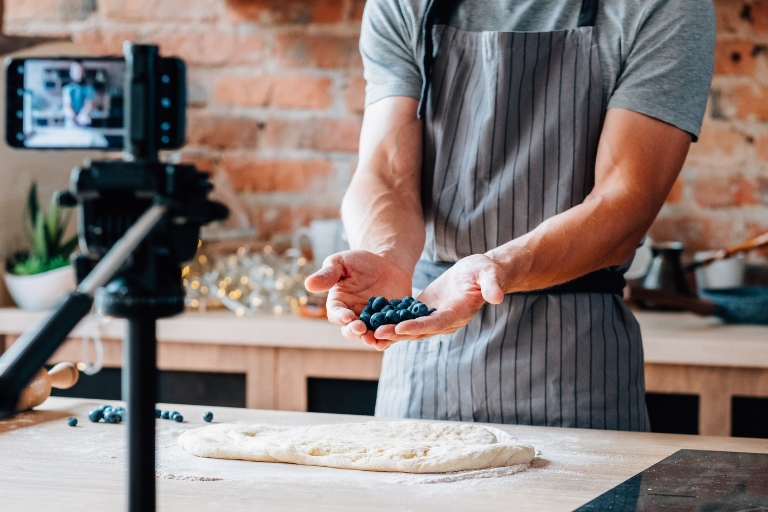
(61,376)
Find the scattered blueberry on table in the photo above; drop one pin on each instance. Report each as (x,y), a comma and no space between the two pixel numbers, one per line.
(379,311)
(177,417)
(208,417)
(72,422)
(95,415)
(158,413)
(165,415)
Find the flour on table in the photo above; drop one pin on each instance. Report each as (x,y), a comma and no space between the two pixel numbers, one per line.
(396,446)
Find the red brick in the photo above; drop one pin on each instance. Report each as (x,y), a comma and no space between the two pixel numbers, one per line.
(729,15)
(296,49)
(245,91)
(301,92)
(750,102)
(159,10)
(735,58)
(761,147)
(214,47)
(279,91)
(221,132)
(47,10)
(250,49)
(204,163)
(285,11)
(725,191)
(98,42)
(717,140)
(696,233)
(354,94)
(247,174)
(318,134)
(759,15)
(676,193)
(356,11)
(273,219)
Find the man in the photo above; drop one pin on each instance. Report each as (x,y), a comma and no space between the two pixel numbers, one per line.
(77,98)
(513,155)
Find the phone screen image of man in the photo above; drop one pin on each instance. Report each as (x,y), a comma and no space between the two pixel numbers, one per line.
(73,103)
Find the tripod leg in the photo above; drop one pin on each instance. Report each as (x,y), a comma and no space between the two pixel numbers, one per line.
(140,393)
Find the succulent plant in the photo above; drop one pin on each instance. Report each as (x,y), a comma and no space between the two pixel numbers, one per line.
(45,234)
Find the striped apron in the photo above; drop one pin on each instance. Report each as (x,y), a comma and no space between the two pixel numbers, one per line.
(511,126)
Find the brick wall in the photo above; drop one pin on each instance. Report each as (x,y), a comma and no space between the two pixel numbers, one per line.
(276,97)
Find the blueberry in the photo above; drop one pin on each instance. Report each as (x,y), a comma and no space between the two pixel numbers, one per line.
(370,301)
(95,415)
(366,318)
(387,309)
(377,320)
(392,317)
(174,413)
(178,418)
(367,311)
(431,310)
(419,309)
(158,412)
(379,304)
(404,315)
(72,422)
(111,417)
(104,407)
(208,416)
(408,300)
(395,303)
(165,415)
(403,305)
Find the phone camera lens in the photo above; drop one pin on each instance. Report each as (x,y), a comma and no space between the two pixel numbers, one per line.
(165,139)
(20,70)
(165,126)
(166,79)
(19,114)
(20,91)
(165,102)
(19,136)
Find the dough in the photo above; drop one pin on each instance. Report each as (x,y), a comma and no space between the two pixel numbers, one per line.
(400,446)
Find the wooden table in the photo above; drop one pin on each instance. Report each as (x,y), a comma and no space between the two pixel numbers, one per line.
(683,354)
(46,465)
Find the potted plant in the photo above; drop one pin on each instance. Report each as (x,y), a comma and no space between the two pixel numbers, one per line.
(38,277)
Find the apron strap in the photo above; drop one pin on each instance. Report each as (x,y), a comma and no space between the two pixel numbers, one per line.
(440,11)
(588,13)
(437,12)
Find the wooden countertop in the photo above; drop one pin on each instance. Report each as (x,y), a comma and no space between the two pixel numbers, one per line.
(47,465)
(668,338)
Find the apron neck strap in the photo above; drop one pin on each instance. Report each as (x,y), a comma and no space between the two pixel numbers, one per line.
(588,13)
(440,12)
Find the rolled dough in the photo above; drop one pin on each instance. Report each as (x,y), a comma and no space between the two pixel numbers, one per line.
(399,446)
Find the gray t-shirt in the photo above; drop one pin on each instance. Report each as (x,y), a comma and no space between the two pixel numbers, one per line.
(656,55)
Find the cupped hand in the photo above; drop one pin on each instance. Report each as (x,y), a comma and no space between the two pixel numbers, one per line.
(458,295)
(351,278)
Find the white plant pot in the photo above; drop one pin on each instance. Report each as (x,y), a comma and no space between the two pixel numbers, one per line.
(41,291)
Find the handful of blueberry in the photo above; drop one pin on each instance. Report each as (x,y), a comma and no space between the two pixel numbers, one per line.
(380,311)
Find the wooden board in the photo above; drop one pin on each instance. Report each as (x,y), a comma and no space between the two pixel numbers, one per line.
(46,465)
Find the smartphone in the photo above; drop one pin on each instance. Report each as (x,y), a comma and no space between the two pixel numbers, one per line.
(78,103)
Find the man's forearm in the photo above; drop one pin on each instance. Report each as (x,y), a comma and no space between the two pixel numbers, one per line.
(382,207)
(638,161)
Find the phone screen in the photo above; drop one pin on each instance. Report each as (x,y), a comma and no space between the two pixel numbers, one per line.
(69,103)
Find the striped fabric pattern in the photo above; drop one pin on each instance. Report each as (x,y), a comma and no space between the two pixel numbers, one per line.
(511,132)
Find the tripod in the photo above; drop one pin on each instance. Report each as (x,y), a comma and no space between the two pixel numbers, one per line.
(138,221)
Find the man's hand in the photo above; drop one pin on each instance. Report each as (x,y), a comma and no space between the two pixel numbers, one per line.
(458,295)
(351,278)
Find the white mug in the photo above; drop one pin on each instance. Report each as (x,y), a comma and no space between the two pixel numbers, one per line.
(327,237)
